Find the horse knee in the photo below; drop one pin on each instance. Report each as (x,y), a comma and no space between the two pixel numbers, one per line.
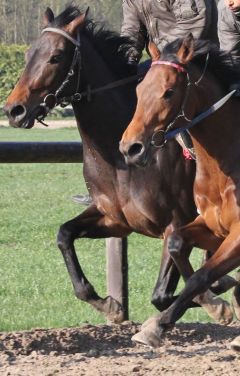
(199,281)
(64,237)
(161,302)
(174,244)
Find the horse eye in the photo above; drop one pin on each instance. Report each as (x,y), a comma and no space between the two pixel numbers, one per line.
(55,59)
(168,94)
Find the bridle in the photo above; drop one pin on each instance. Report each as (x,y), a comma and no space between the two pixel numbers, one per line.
(53,99)
(159,137)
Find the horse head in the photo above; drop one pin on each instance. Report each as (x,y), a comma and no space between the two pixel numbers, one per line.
(162,97)
(52,64)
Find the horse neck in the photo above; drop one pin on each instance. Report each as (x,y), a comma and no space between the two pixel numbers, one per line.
(215,135)
(103,119)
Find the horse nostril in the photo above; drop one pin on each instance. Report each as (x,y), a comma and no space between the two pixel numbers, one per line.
(135,149)
(18,112)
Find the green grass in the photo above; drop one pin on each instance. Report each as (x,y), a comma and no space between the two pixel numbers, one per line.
(38,134)
(35,289)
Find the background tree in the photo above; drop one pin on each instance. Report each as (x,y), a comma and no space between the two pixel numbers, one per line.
(21,20)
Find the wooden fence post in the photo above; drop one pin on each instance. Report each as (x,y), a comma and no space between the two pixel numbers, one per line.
(117,271)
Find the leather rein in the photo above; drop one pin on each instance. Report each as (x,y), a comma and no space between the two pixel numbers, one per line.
(52,100)
(160,137)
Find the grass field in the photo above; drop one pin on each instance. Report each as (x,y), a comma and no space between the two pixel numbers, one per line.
(35,289)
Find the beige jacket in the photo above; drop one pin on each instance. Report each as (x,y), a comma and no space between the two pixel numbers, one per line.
(229,30)
(163,21)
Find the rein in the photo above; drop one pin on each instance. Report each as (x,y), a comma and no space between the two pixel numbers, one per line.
(51,100)
(160,137)
(203,115)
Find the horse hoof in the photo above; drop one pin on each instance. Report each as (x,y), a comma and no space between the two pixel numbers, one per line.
(116,317)
(226,315)
(113,310)
(151,333)
(148,322)
(148,338)
(223,313)
(235,344)
(217,308)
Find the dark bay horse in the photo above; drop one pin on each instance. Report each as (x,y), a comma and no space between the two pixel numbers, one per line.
(183,82)
(73,61)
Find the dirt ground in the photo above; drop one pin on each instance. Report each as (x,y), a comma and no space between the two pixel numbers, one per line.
(189,349)
(52,124)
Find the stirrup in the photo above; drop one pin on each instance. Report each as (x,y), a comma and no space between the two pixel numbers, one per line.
(82,199)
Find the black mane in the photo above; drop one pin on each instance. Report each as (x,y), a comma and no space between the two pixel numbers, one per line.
(110,45)
(68,15)
(220,64)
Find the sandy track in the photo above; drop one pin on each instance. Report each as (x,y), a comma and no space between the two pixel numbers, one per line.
(53,124)
(190,349)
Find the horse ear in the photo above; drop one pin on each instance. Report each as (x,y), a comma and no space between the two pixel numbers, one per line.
(185,52)
(48,17)
(77,23)
(154,51)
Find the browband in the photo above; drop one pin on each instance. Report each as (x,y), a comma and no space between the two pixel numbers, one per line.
(62,32)
(174,65)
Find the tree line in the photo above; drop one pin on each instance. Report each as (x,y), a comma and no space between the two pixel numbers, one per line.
(21,20)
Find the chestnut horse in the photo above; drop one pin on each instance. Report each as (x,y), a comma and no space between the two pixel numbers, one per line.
(73,61)
(186,88)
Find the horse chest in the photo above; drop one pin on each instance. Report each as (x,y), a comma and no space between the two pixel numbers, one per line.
(141,223)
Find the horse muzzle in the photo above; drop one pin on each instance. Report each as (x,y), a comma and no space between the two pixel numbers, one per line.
(16,114)
(135,154)
(19,117)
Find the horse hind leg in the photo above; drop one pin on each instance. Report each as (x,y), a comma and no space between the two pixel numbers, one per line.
(224,283)
(88,224)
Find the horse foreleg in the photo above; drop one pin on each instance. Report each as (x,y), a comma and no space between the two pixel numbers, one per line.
(168,278)
(225,259)
(90,224)
(197,232)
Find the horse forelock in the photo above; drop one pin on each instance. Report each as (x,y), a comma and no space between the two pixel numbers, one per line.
(67,16)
